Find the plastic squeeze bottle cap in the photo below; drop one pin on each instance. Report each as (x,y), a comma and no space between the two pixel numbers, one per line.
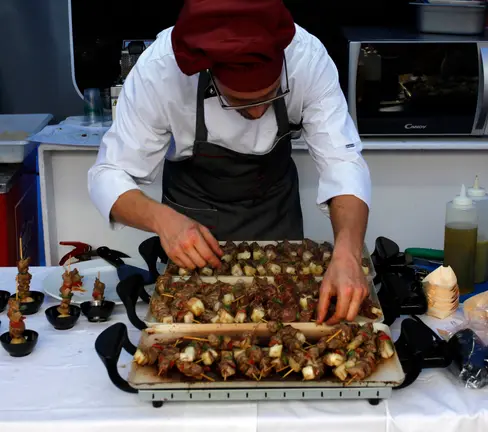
(462,200)
(476,191)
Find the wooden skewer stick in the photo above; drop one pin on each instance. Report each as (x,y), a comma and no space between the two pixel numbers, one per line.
(195,338)
(337,333)
(351,380)
(238,298)
(282,369)
(264,321)
(288,373)
(196,321)
(21,252)
(207,377)
(255,377)
(177,342)
(198,361)
(168,295)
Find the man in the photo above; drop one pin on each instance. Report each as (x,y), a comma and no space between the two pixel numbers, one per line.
(226,83)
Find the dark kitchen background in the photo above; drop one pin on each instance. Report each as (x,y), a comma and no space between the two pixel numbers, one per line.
(98,36)
(36,73)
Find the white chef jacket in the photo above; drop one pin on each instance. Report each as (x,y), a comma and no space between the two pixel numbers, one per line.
(156,113)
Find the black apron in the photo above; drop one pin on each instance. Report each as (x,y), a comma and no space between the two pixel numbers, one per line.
(237,196)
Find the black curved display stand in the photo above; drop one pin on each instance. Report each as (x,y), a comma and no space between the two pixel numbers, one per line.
(129,290)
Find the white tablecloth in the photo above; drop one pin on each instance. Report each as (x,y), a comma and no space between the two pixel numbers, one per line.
(63,385)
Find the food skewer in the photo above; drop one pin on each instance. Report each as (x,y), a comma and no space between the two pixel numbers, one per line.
(243,356)
(30,301)
(98,293)
(287,298)
(23,277)
(98,309)
(16,325)
(195,338)
(307,257)
(337,333)
(18,341)
(64,316)
(66,293)
(288,373)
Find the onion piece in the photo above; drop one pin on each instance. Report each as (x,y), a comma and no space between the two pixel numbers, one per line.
(196,306)
(276,351)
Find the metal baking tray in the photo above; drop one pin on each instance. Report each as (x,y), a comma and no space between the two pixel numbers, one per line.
(128,291)
(450,18)
(371,273)
(145,381)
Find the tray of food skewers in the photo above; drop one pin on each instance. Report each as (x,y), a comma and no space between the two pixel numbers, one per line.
(269,258)
(248,331)
(275,361)
(209,300)
(272,281)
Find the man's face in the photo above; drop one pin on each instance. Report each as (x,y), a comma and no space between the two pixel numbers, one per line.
(235,98)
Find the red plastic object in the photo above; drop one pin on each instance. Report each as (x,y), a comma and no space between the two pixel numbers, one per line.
(8,242)
(18,217)
(79,249)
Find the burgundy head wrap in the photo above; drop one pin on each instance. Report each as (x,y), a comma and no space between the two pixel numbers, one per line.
(241,41)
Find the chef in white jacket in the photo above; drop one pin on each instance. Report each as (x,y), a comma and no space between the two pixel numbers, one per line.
(215,100)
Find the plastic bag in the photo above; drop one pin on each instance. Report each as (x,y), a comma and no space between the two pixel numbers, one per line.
(469,358)
(476,311)
(468,348)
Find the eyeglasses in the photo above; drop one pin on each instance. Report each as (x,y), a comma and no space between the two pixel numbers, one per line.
(253,104)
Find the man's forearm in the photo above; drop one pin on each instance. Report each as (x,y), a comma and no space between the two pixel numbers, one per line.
(349,217)
(135,209)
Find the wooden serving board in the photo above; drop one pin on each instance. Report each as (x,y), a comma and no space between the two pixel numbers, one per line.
(150,321)
(388,374)
(371,270)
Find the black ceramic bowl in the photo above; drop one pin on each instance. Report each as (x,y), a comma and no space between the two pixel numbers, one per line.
(20,350)
(97,311)
(32,307)
(4,296)
(65,323)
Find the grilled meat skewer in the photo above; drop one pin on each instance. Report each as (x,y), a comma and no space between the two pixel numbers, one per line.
(307,257)
(361,351)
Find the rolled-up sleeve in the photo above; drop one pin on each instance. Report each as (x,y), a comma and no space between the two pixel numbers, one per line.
(331,135)
(132,151)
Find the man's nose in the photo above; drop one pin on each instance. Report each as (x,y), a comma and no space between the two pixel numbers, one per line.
(257,111)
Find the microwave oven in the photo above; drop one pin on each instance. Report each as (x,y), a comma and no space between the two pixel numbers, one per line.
(417,84)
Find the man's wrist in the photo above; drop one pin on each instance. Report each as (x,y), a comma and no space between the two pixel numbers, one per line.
(346,247)
(160,214)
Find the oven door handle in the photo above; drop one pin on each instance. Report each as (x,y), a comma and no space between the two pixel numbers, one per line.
(482,106)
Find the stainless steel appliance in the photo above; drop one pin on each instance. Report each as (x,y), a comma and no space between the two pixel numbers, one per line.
(411,84)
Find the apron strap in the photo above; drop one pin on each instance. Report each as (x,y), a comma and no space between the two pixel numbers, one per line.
(201,132)
(281,115)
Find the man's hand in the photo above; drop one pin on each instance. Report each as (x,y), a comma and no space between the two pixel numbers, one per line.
(345,280)
(187,243)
